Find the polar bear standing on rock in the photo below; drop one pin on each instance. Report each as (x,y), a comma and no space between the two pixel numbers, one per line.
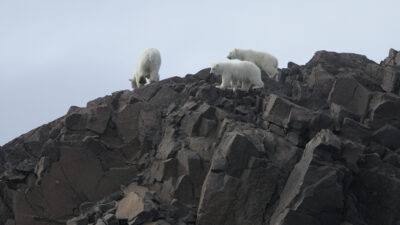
(147,66)
(233,74)
(268,63)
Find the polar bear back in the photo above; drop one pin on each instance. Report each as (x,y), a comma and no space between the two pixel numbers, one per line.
(148,62)
(265,61)
(243,71)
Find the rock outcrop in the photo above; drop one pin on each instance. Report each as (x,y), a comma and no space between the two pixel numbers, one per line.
(319,146)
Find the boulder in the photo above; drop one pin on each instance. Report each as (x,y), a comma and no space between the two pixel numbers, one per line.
(137,208)
(81,220)
(393,59)
(236,181)
(391,80)
(310,182)
(386,111)
(350,94)
(388,136)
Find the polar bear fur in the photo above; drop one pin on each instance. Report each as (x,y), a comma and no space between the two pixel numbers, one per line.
(266,62)
(233,74)
(147,66)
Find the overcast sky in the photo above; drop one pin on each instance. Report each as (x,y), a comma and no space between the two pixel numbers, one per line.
(58,53)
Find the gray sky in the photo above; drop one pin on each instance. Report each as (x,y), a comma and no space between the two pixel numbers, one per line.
(58,53)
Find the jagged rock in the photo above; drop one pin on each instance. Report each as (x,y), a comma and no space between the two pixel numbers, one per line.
(287,115)
(163,97)
(41,166)
(10,222)
(158,222)
(376,191)
(313,194)
(388,136)
(386,111)
(81,220)
(137,208)
(355,130)
(350,94)
(277,110)
(320,82)
(5,212)
(180,151)
(110,219)
(352,153)
(98,120)
(393,59)
(339,113)
(391,80)
(229,186)
(95,119)
(139,120)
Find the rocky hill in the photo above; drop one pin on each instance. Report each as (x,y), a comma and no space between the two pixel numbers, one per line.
(320,146)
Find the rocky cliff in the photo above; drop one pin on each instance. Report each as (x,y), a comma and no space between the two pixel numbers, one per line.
(319,146)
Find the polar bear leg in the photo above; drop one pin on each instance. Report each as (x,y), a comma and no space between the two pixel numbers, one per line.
(235,84)
(154,77)
(245,86)
(226,81)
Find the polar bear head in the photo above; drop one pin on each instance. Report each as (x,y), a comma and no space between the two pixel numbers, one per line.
(216,69)
(133,83)
(232,54)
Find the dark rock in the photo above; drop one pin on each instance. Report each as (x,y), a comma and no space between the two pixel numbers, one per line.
(136,208)
(98,120)
(110,219)
(229,188)
(391,80)
(339,113)
(5,212)
(350,94)
(85,207)
(320,83)
(318,145)
(163,97)
(393,59)
(386,111)
(355,130)
(376,191)
(388,136)
(76,119)
(308,184)
(10,222)
(81,220)
(141,117)
(158,222)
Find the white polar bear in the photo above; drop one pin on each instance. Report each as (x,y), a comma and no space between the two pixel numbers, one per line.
(147,66)
(235,84)
(246,73)
(268,63)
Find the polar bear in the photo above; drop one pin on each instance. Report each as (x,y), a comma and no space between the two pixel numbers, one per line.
(147,66)
(246,73)
(236,84)
(268,63)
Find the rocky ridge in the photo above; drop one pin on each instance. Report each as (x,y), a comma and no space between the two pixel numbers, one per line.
(318,146)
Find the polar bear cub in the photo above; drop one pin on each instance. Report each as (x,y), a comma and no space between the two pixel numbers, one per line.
(268,63)
(147,66)
(233,74)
